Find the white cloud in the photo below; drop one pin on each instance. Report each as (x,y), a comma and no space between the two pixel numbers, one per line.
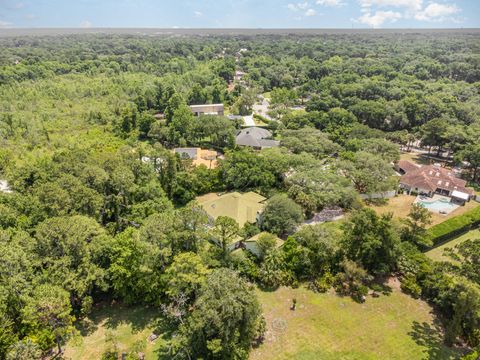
(85,24)
(436,12)
(330,2)
(303,6)
(5,24)
(411,9)
(19,5)
(310,12)
(298,6)
(198,14)
(379,18)
(410,4)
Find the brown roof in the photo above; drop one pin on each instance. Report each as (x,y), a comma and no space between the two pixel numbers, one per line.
(407,166)
(431,177)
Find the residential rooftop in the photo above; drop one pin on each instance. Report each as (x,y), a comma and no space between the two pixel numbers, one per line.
(432,178)
(243,208)
(256,137)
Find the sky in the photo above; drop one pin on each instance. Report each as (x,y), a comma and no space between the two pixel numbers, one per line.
(240,13)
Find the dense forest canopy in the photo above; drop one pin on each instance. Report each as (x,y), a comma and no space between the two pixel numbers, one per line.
(99,207)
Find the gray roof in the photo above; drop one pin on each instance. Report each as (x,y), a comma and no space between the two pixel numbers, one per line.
(256,132)
(256,137)
(190,153)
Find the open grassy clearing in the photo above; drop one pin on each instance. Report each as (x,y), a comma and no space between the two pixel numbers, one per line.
(130,326)
(400,207)
(326,326)
(437,252)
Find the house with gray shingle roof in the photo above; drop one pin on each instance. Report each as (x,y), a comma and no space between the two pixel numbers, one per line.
(257,138)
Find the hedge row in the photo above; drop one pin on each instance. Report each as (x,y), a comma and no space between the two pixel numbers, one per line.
(455,226)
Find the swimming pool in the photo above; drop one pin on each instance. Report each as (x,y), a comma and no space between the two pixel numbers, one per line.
(439,205)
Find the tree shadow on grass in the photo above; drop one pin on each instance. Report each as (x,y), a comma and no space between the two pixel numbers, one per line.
(429,336)
(112,316)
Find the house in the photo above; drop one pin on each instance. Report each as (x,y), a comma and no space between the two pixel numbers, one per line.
(243,208)
(433,179)
(239,75)
(252,244)
(208,109)
(256,137)
(199,156)
(4,186)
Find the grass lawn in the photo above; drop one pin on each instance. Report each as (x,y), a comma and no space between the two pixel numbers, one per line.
(326,326)
(129,326)
(437,252)
(421,159)
(400,207)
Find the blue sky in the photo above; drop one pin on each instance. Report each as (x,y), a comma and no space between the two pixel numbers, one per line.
(241,13)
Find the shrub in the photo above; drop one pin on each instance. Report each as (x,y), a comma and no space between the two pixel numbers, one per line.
(454,226)
(409,286)
(323,283)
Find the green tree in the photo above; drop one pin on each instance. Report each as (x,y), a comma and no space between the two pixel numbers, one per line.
(266,243)
(415,226)
(434,133)
(471,154)
(369,173)
(225,318)
(372,241)
(24,350)
(66,247)
(186,275)
(225,232)
(49,308)
(281,215)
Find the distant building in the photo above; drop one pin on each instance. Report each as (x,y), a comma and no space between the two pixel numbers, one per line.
(243,208)
(252,244)
(208,109)
(257,138)
(433,179)
(239,75)
(199,156)
(4,186)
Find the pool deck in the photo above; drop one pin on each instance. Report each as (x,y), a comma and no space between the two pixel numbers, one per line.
(447,210)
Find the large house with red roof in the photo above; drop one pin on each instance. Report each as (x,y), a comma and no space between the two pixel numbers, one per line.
(433,179)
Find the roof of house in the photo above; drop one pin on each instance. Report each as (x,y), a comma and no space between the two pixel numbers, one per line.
(4,186)
(243,208)
(199,156)
(407,165)
(191,153)
(460,195)
(256,137)
(431,177)
(278,242)
(207,107)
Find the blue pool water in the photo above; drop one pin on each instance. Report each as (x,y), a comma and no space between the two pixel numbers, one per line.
(438,205)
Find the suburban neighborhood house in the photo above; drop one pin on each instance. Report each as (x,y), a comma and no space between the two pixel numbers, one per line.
(243,208)
(256,138)
(4,186)
(252,244)
(433,179)
(199,156)
(208,109)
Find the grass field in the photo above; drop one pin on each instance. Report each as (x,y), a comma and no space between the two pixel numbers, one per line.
(437,252)
(326,326)
(400,207)
(130,326)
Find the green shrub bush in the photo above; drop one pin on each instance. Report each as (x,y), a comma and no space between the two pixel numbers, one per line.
(454,226)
